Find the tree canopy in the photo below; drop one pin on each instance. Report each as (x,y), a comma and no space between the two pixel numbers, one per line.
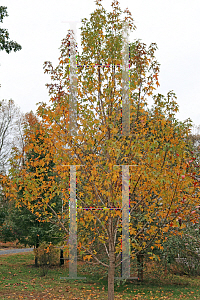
(161,189)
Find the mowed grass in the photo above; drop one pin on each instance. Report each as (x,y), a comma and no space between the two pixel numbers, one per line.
(19,279)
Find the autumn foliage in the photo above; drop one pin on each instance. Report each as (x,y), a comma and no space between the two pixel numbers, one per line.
(163,192)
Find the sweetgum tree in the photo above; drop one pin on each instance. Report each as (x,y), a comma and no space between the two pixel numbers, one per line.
(161,188)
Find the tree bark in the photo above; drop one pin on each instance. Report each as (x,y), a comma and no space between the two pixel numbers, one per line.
(140,261)
(166,269)
(37,245)
(111,269)
(111,275)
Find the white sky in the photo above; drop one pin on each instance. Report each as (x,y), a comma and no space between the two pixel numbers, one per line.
(37,25)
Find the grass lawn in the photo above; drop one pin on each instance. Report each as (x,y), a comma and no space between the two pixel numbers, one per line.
(19,279)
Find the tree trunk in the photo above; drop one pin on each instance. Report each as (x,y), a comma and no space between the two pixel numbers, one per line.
(165,269)
(140,259)
(36,261)
(111,270)
(111,276)
(61,257)
(166,262)
(37,245)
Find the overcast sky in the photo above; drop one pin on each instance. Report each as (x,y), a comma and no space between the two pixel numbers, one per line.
(40,25)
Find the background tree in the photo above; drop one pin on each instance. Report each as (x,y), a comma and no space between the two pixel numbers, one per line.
(154,148)
(10,132)
(11,135)
(19,223)
(5,42)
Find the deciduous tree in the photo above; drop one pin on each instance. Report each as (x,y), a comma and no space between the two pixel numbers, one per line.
(11,134)
(161,189)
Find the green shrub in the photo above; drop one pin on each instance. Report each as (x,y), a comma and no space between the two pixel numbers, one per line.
(47,255)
